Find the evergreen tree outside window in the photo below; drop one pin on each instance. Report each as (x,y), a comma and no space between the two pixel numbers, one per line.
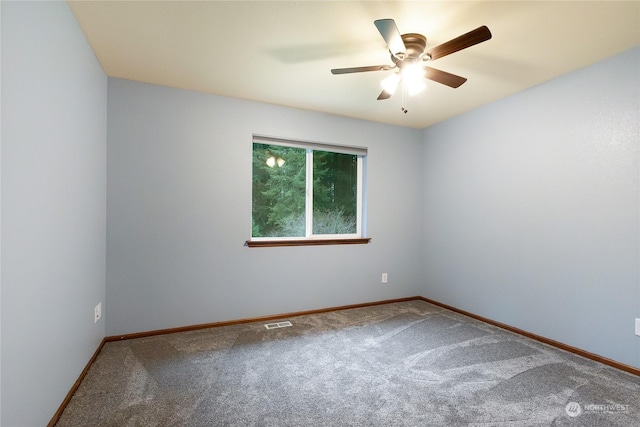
(305,190)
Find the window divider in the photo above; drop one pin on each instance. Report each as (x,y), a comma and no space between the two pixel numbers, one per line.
(309,194)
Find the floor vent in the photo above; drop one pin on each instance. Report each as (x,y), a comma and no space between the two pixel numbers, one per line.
(278,325)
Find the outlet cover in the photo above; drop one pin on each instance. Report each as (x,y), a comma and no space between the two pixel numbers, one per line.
(385,278)
(97,312)
(638,327)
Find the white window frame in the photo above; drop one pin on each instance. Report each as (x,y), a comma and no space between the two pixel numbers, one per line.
(360,152)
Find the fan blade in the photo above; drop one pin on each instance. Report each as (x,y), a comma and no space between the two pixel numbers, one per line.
(384,95)
(362,69)
(464,41)
(391,35)
(443,77)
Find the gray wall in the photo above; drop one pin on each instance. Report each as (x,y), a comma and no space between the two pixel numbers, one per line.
(54,104)
(531,209)
(179,212)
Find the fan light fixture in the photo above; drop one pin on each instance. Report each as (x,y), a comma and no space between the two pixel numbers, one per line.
(415,88)
(390,83)
(413,77)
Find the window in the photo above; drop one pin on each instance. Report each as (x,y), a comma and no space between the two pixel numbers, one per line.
(306,193)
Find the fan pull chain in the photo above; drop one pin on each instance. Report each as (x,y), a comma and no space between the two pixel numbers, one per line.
(404,96)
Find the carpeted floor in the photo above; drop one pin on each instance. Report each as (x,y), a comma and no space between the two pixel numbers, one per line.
(400,364)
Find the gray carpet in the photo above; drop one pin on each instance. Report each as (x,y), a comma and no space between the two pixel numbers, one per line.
(400,364)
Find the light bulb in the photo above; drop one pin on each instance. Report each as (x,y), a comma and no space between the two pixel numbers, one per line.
(413,76)
(390,83)
(413,72)
(271,161)
(280,162)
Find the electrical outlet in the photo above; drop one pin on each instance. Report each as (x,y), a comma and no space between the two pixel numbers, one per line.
(638,327)
(384,278)
(97,312)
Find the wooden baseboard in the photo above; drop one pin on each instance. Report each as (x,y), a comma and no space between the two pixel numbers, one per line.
(250,320)
(553,343)
(74,388)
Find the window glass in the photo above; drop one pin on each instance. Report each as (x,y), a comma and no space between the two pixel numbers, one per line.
(335,193)
(279,183)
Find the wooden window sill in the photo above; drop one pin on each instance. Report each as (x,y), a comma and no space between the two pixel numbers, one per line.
(306,242)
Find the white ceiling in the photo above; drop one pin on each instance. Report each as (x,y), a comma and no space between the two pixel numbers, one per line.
(281,52)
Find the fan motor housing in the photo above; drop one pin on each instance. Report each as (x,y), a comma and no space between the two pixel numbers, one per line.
(414,45)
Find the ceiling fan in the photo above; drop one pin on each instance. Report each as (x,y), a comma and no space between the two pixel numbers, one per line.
(409,58)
